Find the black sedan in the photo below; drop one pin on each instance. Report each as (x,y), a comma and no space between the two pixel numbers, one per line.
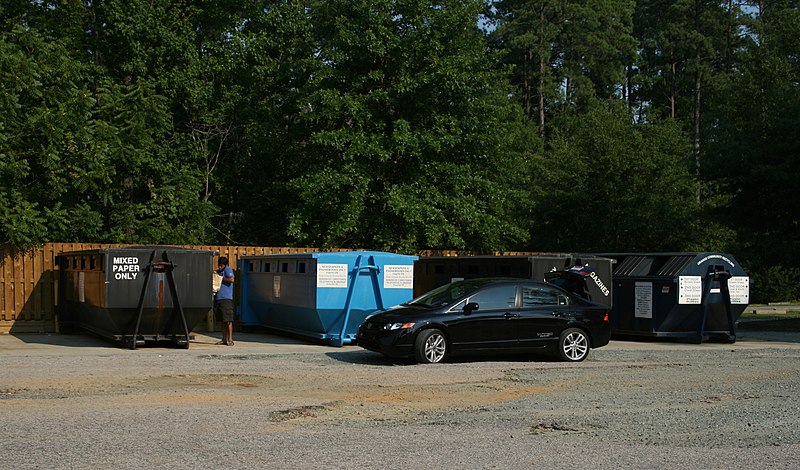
(488,315)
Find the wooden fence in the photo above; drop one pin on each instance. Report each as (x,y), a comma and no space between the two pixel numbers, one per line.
(29,281)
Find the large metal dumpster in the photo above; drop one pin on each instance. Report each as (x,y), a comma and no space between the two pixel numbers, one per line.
(136,294)
(322,296)
(689,296)
(584,274)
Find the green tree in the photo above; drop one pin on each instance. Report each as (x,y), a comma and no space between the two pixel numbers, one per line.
(50,165)
(607,184)
(755,153)
(565,52)
(687,49)
(262,73)
(413,132)
(89,152)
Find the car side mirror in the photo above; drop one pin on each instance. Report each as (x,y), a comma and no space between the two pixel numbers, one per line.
(562,300)
(471,307)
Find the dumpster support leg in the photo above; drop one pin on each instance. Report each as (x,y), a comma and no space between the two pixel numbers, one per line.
(373,271)
(722,277)
(726,296)
(174,289)
(141,300)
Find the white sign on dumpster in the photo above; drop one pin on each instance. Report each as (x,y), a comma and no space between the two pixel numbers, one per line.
(397,276)
(690,290)
(643,303)
(125,268)
(276,287)
(739,288)
(332,276)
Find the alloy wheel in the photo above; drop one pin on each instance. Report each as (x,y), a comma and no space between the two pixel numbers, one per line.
(575,346)
(435,348)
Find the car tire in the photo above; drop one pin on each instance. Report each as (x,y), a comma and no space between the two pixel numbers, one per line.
(430,347)
(573,345)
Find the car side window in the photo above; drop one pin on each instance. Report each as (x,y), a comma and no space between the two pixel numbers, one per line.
(533,296)
(500,297)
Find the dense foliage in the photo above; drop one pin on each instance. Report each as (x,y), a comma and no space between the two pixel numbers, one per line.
(558,125)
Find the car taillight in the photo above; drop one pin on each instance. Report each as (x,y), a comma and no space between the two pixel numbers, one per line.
(605,318)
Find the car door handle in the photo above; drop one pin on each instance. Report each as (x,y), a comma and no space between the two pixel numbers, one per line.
(511,315)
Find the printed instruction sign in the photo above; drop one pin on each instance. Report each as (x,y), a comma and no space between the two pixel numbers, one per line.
(739,287)
(81,287)
(332,276)
(643,303)
(125,268)
(690,290)
(397,276)
(276,287)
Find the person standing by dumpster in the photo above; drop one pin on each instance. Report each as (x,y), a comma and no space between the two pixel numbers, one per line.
(223,301)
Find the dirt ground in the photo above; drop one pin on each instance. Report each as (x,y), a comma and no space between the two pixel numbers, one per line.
(75,401)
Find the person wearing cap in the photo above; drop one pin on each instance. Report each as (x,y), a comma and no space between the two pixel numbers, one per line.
(223,301)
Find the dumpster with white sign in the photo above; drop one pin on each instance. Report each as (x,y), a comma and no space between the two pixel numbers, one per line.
(322,296)
(688,296)
(136,294)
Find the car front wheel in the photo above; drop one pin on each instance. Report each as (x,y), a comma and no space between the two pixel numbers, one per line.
(573,345)
(430,347)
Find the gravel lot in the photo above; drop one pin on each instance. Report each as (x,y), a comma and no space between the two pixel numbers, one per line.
(73,401)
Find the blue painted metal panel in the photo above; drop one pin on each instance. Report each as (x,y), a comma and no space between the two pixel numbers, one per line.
(322,296)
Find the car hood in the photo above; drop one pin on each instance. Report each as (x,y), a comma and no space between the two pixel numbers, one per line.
(401,313)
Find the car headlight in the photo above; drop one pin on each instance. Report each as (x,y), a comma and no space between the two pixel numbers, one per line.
(397,326)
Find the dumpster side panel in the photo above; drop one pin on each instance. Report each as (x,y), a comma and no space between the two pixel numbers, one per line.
(667,295)
(159,283)
(322,295)
(432,272)
(281,300)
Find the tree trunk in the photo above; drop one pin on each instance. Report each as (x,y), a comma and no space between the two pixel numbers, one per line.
(672,90)
(526,82)
(541,76)
(697,83)
(541,96)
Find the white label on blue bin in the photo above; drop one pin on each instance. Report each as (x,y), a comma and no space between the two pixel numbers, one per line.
(332,275)
(398,276)
(739,287)
(643,305)
(690,289)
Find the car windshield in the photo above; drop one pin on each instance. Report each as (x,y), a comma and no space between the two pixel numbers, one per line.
(447,293)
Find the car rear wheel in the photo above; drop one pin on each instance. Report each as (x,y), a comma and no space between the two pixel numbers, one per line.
(573,345)
(430,347)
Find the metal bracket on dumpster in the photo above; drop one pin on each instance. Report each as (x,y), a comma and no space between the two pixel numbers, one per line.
(716,274)
(167,266)
(373,271)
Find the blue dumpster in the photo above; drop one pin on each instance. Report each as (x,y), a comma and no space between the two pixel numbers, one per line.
(689,296)
(322,296)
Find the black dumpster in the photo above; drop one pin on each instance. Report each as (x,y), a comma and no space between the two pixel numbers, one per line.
(136,294)
(584,274)
(688,296)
